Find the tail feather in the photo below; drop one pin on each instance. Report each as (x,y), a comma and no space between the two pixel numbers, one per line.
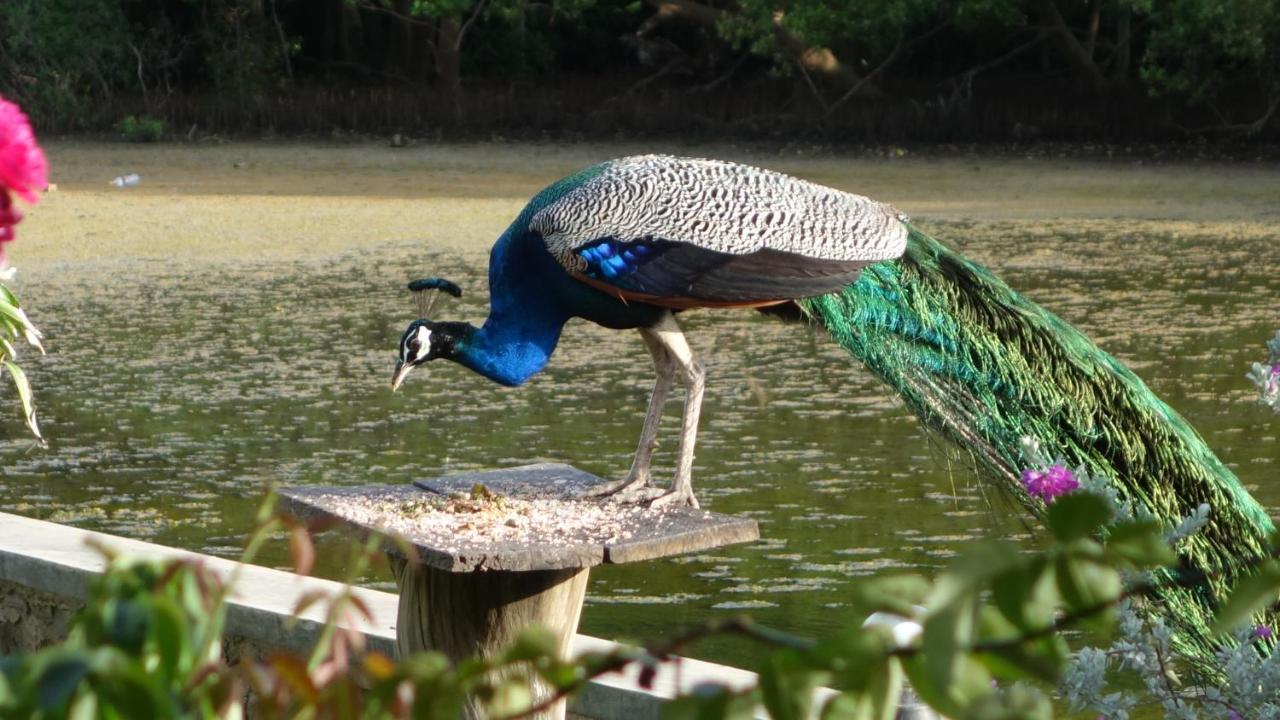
(985,367)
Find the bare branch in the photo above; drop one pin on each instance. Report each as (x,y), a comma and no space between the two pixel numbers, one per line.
(475,13)
(884,64)
(619,659)
(374,7)
(725,77)
(284,44)
(1226,127)
(1077,54)
(142,81)
(817,94)
(817,60)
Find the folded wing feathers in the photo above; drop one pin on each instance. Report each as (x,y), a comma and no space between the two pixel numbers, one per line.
(720,206)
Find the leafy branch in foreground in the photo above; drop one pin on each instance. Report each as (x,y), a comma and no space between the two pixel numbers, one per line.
(148,643)
(23,172)
(15,327)
(988,643)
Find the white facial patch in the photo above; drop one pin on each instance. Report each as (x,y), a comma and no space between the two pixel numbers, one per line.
(423,336)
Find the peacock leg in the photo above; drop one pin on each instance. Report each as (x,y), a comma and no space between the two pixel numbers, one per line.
(672,339)
(638,477)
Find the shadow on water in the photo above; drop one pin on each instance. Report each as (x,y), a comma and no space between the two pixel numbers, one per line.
(171,397)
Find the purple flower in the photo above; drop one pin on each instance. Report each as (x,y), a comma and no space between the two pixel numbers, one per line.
(1263,632)
(1049,484)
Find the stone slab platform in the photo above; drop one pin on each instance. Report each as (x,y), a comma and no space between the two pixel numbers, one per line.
(525,518)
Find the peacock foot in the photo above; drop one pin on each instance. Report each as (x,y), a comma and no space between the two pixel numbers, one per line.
(675,497)
(632,488)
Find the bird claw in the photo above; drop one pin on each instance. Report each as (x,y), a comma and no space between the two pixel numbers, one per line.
(635,488)
(675,498)
(624,489)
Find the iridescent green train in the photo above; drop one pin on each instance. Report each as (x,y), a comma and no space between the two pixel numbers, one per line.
(984,367)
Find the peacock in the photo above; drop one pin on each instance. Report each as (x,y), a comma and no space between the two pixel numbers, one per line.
(629,243)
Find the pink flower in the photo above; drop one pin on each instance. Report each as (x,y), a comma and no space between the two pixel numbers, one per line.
(1049,484)
(1262,632)
(9,216)
(23,168)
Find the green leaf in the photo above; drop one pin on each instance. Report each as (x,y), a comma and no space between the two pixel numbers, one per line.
(876,698)
(168,633)
(59,679)
(1019,702)
(993,626)
(129,622)
(1248,597)
(845,706)
(787,683)
(924,687)
(84,707)
(1041,659)
(7,296)
(533,643)
(123,687)
(948,634)
(20,324)
(1027,596)
(23,386)
(510,697)
(899,594)
(1077,515)
(974,566)
(710,702)
(1141,543)
(970,681)
(1088,586)
(854,654)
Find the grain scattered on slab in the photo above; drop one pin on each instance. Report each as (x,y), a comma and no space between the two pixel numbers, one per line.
(448,523)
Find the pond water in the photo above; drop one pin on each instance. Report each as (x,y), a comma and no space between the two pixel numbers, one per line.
(175,388)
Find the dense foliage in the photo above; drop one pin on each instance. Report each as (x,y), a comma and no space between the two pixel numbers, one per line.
(881,70)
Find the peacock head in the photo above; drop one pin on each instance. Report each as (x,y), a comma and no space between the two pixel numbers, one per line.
(425,340)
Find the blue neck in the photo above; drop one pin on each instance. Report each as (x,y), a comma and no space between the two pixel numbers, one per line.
(509,350)
(531,297)
(525,317)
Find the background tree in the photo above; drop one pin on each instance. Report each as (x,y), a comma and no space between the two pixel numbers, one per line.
(876,71)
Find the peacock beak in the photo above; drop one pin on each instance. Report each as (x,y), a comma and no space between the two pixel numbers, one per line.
(402,369)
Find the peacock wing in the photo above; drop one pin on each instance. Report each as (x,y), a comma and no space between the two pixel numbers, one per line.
(685,232)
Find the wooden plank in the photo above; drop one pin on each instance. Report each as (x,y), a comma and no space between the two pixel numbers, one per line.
(465,615)
(682,535)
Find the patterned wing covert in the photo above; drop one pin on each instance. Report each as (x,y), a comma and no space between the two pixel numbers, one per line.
(706,232)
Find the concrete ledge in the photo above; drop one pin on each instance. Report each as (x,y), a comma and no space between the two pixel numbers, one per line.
(57,561)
